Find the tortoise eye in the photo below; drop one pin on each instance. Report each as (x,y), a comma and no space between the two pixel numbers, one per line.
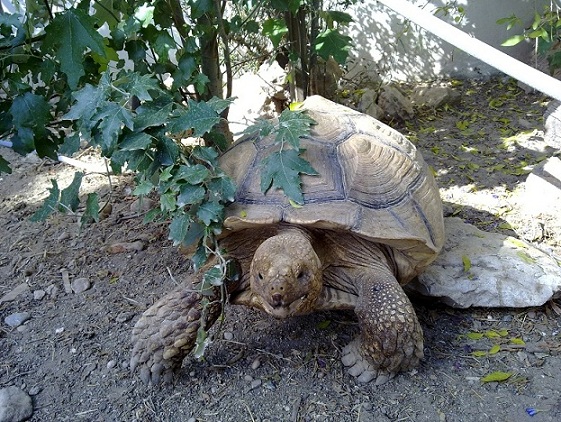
(260,276)
(302,276)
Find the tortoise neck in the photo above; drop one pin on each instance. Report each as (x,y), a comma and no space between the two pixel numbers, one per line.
(295,231)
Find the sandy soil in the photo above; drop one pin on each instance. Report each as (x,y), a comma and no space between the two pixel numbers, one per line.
(72,353)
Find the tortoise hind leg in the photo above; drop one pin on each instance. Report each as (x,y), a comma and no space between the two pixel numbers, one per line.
(391,339)
(167,331)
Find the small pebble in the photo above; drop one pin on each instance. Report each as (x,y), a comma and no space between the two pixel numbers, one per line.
(124,317)
(80,285)
(228,335)
(39,294)
(255,384)
(256,364)
(15,405)
(63,236)
(111,364)
(33,391)
(52,290)
(15,320)
(248,378)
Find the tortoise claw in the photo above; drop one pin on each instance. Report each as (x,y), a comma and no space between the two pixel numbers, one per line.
(361,368)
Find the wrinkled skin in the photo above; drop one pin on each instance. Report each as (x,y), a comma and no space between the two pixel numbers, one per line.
(296,272)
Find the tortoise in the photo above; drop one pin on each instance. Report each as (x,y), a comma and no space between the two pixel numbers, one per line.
(371,221)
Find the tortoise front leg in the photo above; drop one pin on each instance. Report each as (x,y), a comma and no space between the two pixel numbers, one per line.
(167,331)
(391,338)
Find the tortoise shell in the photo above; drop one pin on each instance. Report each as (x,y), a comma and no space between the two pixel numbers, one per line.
(372,182)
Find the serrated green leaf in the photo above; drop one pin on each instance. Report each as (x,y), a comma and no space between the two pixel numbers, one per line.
(214,276)
(143,188)
(206,154)
(70,145)
(209,212)
(92,209)
(186,67)
(88,99)
(168,202)
(199,257)
(5,166)
(497,376)
(467,263)
(275,30)
(192,174)
(141,85)
(179,228)
(113,118)
(200,81)
(332,43)
(190,194)
(152,114)
(166,174)
(69,196)
(262,127)
(222,188)
(220,104)
(199,117)
(69,35)
(30,111)
(50,204)
(336,16)
(281,170)
(292,126)
(194,234)
(135,141)
(167,151)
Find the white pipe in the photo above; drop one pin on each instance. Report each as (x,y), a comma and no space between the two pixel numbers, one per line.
(480,50)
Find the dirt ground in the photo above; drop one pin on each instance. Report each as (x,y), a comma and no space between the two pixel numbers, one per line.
(72,353)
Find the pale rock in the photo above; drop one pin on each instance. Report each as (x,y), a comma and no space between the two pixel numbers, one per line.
(15,292)
(435,96)
(39,294)
(142,204)
(16,319)
(80,285)
(539,200)
(368,104)
(394,104)
(553,124)
(503,271)
(15,405)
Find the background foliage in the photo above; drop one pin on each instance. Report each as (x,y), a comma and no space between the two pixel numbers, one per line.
(148,84)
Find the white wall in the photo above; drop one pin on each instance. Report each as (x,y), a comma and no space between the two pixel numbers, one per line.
(380,39)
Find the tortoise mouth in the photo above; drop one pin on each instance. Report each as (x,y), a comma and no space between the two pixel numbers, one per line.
(285,310)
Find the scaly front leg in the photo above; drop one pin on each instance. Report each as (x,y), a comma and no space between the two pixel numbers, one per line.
(391,338)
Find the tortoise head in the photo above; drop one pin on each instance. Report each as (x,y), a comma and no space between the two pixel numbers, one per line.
(286,276)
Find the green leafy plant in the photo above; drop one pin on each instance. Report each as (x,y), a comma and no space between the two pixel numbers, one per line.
(143,83)
(545,30)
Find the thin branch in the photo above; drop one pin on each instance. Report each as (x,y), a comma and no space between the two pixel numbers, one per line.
(224,37)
